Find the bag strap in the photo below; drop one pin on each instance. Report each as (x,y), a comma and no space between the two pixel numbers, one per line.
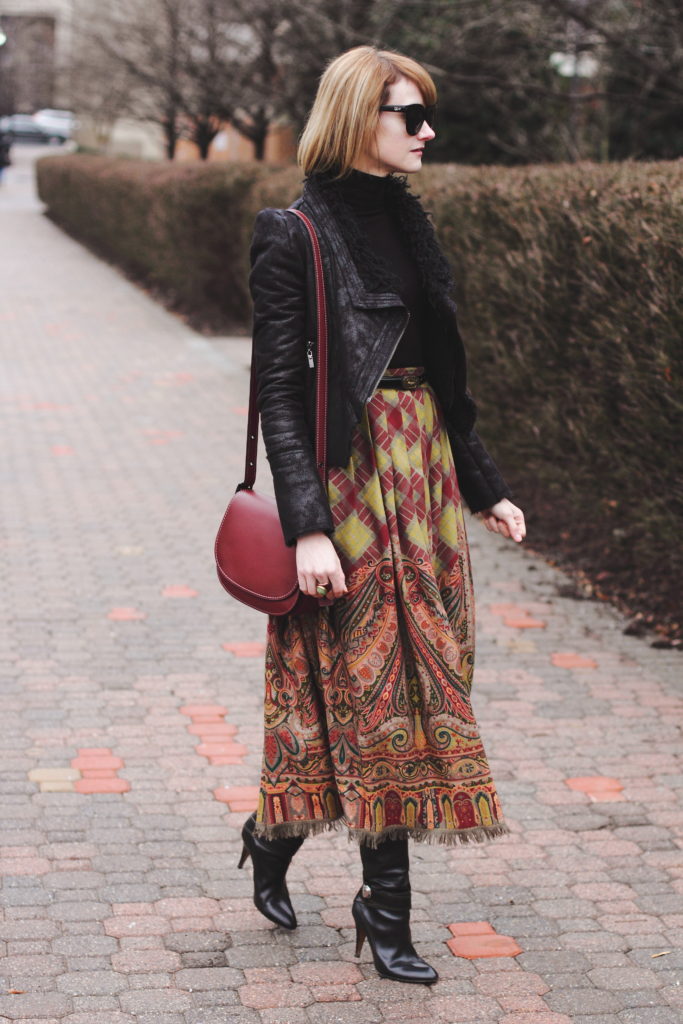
(320,383)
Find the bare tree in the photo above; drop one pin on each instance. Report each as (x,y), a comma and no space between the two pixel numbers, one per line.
(191,65)
(641,52)
(144,43)
(256,78)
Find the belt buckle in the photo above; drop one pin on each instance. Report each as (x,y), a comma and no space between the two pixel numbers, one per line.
(411,381)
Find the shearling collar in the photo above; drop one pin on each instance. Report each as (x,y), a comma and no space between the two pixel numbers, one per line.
(414,224)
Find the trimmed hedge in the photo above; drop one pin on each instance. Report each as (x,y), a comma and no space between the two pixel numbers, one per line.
(569,283)
(181,229)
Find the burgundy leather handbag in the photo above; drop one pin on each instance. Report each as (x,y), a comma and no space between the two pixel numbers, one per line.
(253,562)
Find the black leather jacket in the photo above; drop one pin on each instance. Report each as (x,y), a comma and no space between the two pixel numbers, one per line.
(366,321)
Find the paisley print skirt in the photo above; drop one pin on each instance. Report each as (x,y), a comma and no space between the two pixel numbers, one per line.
(368,721)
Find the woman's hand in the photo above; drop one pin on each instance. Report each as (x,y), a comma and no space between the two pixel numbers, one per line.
(318,562)
(506,519)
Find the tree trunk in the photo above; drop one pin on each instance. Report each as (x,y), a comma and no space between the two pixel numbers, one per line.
(171,137)
(259,133)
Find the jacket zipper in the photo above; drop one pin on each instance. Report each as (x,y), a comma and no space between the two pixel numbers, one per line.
(309,354)
(390,358)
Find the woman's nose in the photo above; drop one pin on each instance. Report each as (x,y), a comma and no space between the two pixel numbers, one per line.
(426,133)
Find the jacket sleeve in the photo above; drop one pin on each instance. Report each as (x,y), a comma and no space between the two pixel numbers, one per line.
(278,285)
(481,483)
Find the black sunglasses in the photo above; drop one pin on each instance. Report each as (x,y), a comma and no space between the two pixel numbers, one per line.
(415,114)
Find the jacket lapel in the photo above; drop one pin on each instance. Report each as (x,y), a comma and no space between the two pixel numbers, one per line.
(327,228)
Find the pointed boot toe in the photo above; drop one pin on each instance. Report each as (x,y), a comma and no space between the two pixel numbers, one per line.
(383,920)
(270,859)
(277,908)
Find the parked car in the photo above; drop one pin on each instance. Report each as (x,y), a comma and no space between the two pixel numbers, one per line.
(25,126)
(59,123)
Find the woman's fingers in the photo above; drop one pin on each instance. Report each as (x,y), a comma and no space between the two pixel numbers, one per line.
(491,523)
(318,563)
(508,521)
(338,582)
(307,583)
(516,524)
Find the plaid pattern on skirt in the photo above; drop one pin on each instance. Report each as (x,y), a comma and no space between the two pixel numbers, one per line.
(368,721)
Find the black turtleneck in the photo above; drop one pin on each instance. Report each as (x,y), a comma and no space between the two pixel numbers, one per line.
(367,195)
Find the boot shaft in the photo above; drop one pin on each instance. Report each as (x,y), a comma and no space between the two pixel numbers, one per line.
(386,868)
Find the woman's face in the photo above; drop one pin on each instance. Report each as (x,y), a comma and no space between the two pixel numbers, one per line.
(394,149)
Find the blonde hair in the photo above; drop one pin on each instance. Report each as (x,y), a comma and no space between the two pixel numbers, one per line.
(345,114)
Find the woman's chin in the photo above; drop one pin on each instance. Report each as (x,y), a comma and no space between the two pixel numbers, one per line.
(407,167)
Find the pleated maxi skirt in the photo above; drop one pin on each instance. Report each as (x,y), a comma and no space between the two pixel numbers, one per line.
(368,720)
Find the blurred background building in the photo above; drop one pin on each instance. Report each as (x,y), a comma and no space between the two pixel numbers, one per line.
(37,41)
(97,59)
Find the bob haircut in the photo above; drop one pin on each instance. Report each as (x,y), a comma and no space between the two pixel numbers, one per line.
(345,114)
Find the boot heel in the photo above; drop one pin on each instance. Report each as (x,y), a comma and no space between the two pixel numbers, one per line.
(360,939)
(245,854)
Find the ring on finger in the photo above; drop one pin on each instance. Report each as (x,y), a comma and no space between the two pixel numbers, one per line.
(321,589)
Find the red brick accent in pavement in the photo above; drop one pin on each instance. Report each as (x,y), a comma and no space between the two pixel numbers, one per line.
(245,649)
(597,787)
(477,939)
(516,616)
(216,753)
(125,614)
(100,761)
(178,590)
(207,727)
(217,736)
(238,798)
(197,710)
(567,659)
(471,928)
(98,769)
(109,785)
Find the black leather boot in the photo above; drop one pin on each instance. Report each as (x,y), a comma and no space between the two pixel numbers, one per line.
(381,911)
(270,858)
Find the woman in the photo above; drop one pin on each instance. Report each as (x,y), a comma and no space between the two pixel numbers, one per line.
(368,722)
(5,146)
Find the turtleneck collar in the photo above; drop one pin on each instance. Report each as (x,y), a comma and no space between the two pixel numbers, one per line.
(366,194)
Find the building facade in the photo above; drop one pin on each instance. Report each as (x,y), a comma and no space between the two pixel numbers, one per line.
(36,65)
(37,45)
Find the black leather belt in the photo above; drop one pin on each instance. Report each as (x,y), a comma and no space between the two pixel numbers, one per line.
(407,383)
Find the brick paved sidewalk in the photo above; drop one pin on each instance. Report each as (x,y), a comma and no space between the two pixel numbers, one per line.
(131,700)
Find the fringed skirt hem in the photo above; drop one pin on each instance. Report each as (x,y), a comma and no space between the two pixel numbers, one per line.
(364,837)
